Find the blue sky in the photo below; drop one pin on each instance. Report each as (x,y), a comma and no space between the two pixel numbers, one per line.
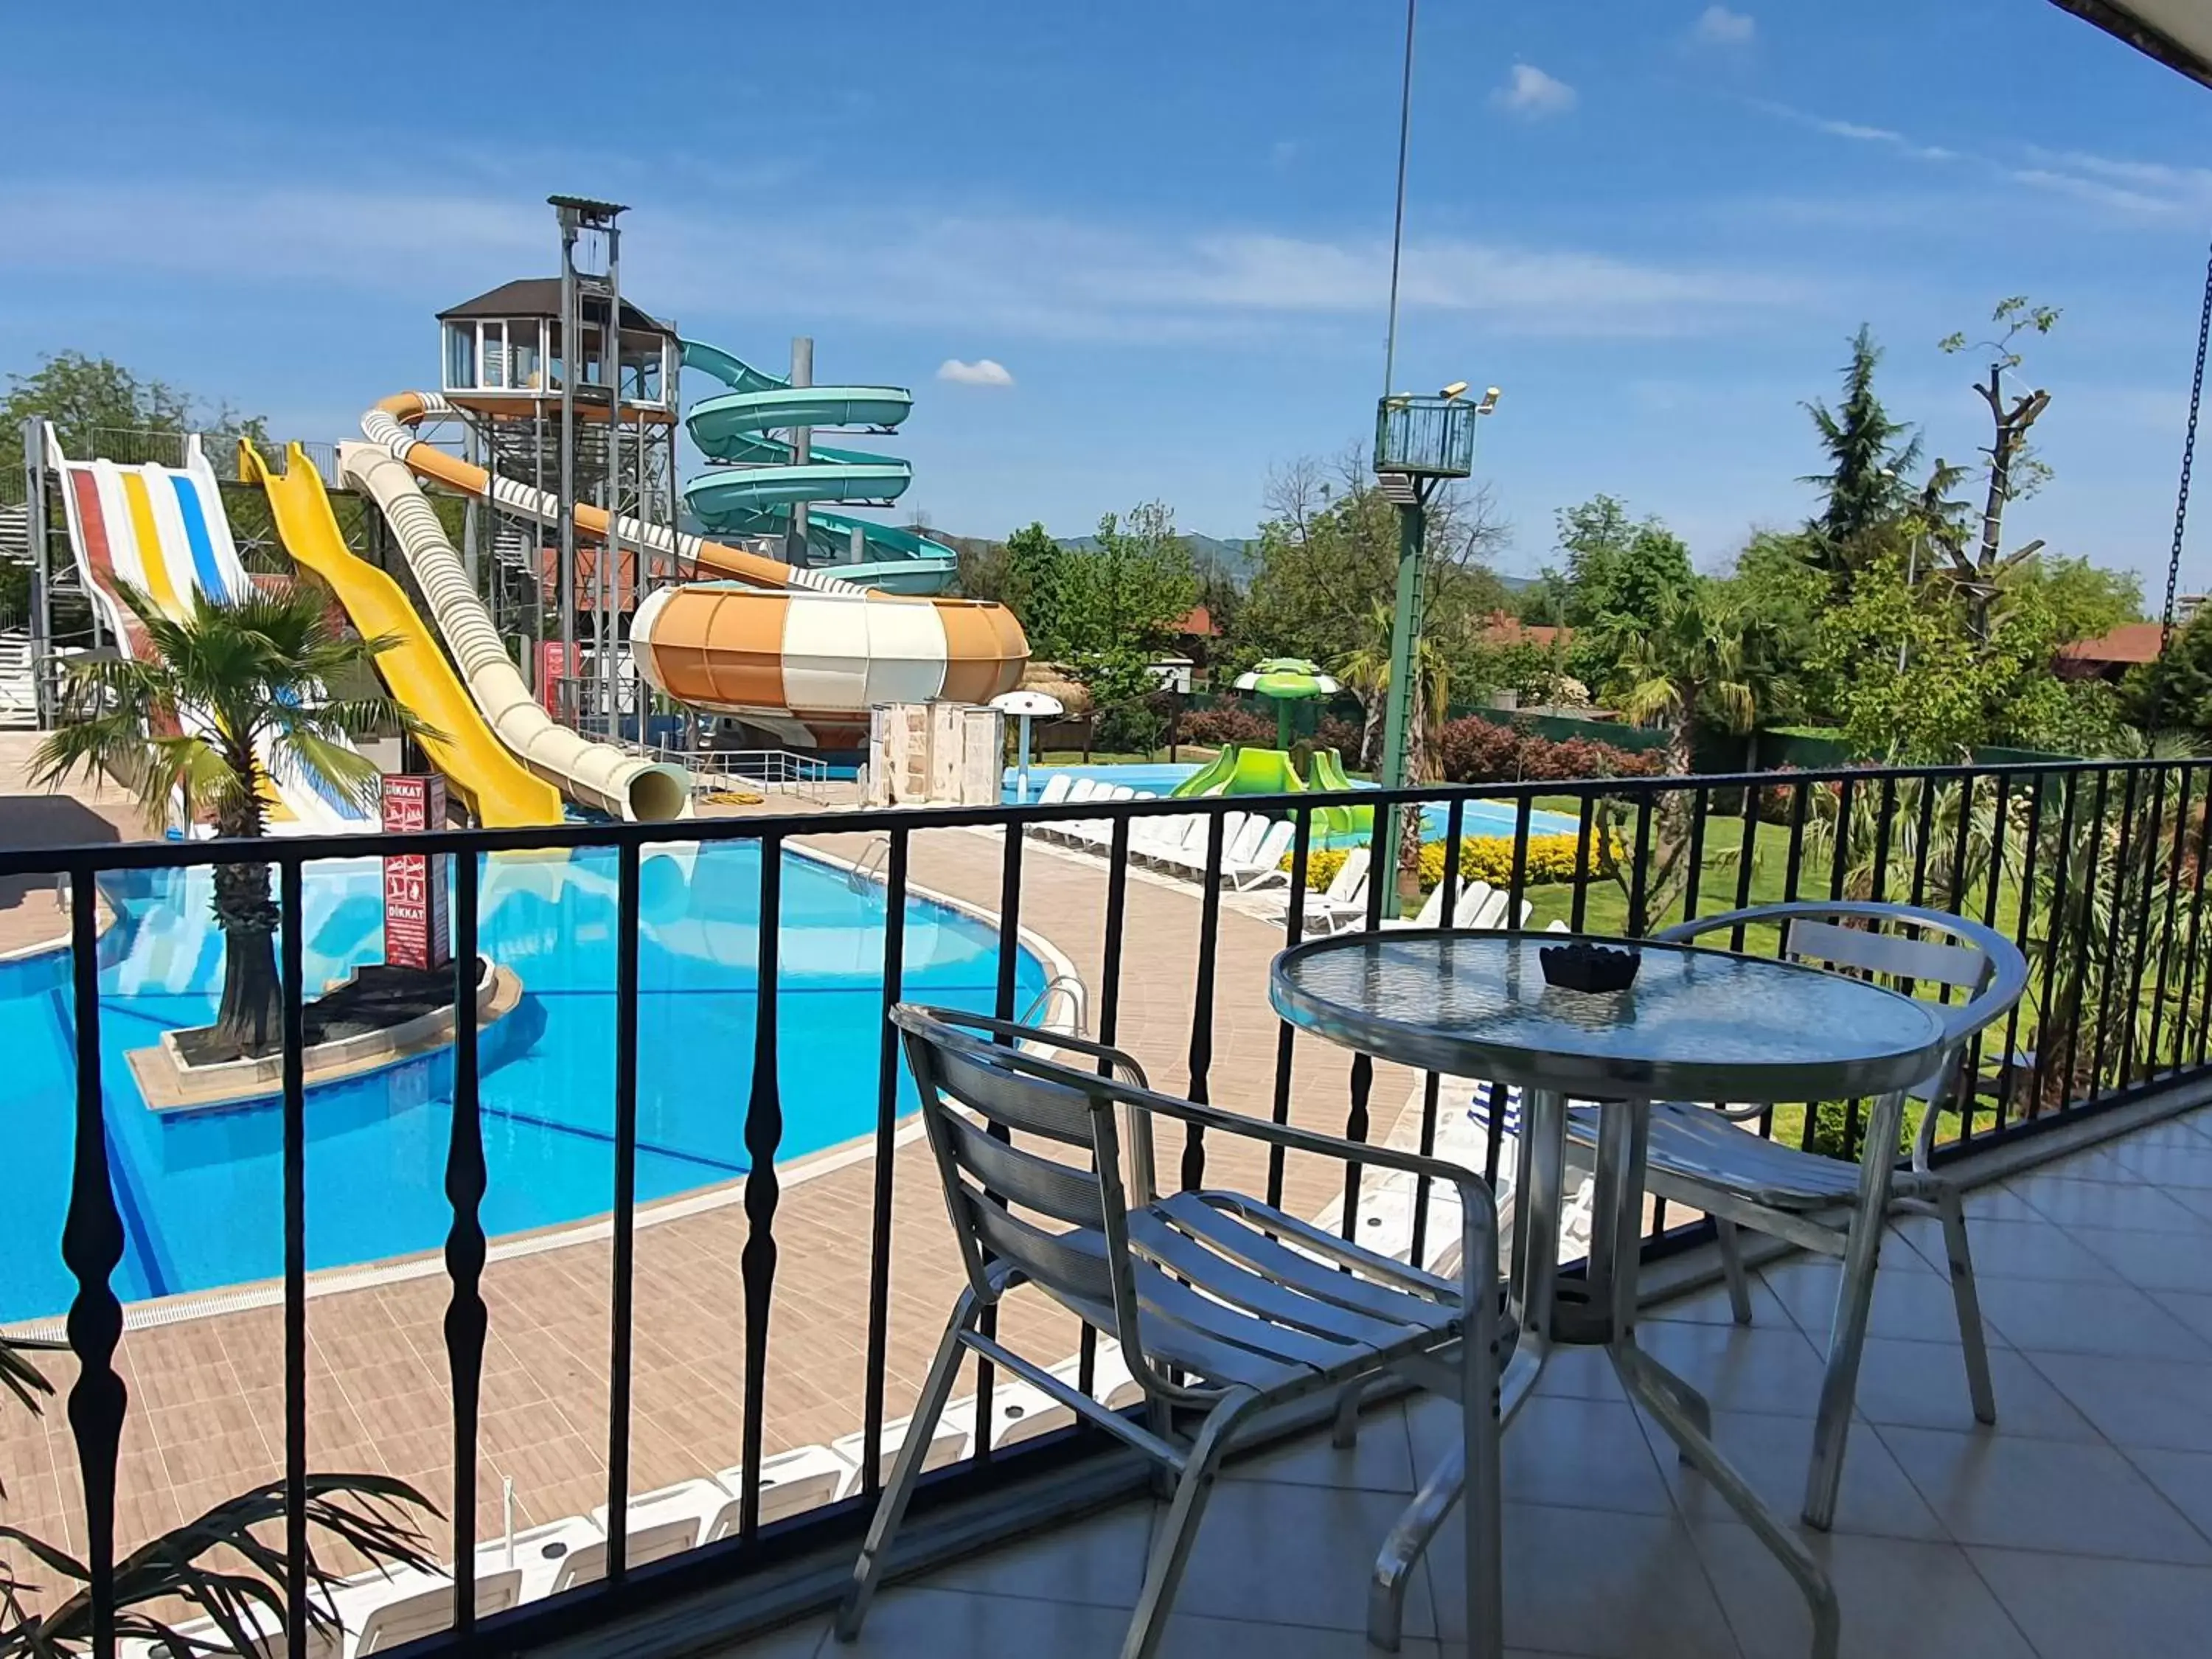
(1654,224)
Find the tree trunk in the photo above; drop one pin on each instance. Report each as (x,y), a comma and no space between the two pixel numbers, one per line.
(252,1013)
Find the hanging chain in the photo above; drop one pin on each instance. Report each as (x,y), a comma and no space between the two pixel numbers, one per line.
(2188,459)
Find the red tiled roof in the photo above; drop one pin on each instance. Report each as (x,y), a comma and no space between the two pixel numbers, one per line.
(1197,620)
(1506,630)
(2130,642)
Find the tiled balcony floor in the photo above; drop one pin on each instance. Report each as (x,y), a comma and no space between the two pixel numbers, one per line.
(2080,1526)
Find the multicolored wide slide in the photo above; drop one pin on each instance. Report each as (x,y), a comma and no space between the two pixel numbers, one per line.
(162,531)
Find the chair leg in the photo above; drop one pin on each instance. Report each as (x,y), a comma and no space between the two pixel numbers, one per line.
(1972,1338)
(1178,1529)
(1854,1307)
(1345,1435)
(891,1508)
(1738,1285)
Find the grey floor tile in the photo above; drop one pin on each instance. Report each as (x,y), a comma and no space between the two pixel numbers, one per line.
(2190,1308)
(2075,1605)
(1915,1306)
(2001,1201)
(1097,1562)
(1588,1582)
(1380,1461)
(1774,1454)
(1586,1453)
(2139,1208)
(2154,1261)
(1187,1635)
(2197,1199)
(2186,1478)
(1898,1599)
(2167,1166)
(2134,1402)
(2011,1249)
(1924,1385)
(2111,1318)
(1296,1555)
(1757,1368)
(2097,1163)
(907,1623)
(1709,1306)
(2053,1495)
(1580,1374)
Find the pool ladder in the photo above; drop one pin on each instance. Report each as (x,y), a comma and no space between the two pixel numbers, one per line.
(868,870)
(1068,987)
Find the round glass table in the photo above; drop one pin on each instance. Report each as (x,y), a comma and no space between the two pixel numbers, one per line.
(1697,1024)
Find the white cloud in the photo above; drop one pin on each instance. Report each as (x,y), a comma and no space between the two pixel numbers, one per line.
(1532,95)
(999,276)
(1717,26)
(984,371)
(1859,133)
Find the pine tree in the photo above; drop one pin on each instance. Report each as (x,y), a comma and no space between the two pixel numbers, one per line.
(1869,456)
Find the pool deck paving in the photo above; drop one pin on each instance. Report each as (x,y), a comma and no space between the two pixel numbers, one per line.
(207,1411)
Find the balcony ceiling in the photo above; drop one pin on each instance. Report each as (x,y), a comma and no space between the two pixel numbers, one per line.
(2178,32)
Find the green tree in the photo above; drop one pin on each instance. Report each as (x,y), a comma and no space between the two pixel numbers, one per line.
(86,397)
(1327,555)
(1122,596)
(2174,694)
(1027,585)
(1616,566)
(192,721)
(1779,585)
(1869,455)
(1696,661)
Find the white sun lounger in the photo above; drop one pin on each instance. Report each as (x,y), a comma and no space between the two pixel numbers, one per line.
(954,1439)
(412,1615)
(587,1564)
(792,1483)
(1262,866)
(1343,904)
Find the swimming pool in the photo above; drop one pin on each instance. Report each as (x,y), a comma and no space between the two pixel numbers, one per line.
(1480,817)
(201,1193)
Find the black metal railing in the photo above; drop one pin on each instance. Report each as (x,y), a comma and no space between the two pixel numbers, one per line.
(2096,870)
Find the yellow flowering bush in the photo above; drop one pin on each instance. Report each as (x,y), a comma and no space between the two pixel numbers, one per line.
(1481,858)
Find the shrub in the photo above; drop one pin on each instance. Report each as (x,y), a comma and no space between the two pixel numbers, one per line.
(1342,735)
(1219,727)
(1481,858)
(1473,749)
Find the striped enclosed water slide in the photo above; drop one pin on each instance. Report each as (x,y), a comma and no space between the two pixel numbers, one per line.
(163,531)
(799,651)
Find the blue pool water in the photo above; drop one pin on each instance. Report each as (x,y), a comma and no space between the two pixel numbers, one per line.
(201,1193)
(1480,817)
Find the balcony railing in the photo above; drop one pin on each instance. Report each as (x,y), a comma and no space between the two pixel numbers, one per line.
(2095,869)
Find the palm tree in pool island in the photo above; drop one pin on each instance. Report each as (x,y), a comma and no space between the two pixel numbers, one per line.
(217,695)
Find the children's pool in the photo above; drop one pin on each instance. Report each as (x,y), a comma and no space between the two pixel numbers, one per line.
(1480,817)
(201,1194)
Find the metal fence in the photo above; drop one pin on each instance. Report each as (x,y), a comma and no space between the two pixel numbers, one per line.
(2096,870)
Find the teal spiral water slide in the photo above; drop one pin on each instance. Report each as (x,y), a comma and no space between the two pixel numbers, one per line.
(752,490)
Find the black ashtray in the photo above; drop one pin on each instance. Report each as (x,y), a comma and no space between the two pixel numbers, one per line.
(1585,966)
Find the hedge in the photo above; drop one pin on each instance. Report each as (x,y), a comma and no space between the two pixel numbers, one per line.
(1481,858)
(1477,751)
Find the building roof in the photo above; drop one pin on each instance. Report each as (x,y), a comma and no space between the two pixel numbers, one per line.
(1507,629)
(2178,32)
(2130,642)
(1197,620)
(540,297)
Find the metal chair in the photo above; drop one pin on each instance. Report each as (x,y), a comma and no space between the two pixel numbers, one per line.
(1699,1157)
(1224,1307)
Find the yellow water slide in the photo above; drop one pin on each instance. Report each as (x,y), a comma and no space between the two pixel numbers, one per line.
(502,791)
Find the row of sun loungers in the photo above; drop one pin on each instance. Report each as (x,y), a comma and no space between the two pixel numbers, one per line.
(382,1609)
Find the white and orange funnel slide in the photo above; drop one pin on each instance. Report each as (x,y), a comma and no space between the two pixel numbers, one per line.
(781,644)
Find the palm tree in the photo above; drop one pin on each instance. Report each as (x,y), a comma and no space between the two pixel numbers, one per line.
(220,694)
(1695,661)
(1366,670)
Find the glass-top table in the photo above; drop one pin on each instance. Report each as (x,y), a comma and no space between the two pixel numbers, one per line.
(1697,1024)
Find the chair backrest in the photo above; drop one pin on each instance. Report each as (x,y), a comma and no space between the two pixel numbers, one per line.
(1274,841)
(430,1611)
(1081,789)
(1055,789)
(1241,837)
(1122,792)
(1351,876)
(1433,908)
(980,1086)
(1899,945)
(587,1563)
(1479,906)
